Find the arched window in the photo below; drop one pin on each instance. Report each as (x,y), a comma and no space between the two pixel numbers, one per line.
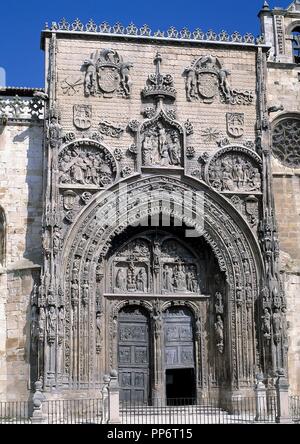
(2,237)
(296,44)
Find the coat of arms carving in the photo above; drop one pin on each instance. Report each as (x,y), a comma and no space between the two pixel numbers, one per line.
(106,74)
(235,124)
(206,79)
(82,116)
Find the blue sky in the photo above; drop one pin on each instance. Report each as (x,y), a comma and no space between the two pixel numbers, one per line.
(21,22)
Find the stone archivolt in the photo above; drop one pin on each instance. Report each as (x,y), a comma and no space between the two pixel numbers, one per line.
(134,271)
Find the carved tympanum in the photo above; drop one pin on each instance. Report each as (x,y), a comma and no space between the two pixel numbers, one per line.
(235,172)
(87,165)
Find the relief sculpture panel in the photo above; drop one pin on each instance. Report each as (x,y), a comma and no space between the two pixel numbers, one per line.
(87,166)
(148,266)
(235,172)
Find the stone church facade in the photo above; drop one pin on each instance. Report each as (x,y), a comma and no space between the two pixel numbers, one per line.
(149,218)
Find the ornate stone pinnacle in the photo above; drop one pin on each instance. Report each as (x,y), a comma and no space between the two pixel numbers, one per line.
(266,6)
(160,86)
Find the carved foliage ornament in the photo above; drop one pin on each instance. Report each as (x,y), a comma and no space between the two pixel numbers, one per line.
(108,129)
(286,142)
(106,74)
(206,79)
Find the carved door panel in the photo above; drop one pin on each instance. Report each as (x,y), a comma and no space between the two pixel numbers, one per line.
(179,339)
(133,355)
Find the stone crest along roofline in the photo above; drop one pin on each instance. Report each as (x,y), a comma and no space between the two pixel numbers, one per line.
(145,33)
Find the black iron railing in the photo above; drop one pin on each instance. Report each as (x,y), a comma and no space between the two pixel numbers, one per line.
(18,412)
(295,408)
(208,411)
(79,411)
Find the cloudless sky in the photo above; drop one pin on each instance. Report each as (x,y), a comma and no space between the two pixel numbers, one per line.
(22,20)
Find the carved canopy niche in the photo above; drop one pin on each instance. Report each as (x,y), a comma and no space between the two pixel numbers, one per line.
(161,142)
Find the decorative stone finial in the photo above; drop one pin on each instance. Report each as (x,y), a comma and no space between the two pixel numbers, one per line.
(266,6)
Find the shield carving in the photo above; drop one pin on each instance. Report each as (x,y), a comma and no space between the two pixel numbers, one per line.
(69,200)
(108,80)
(83,116)
(235,124)
(208,85)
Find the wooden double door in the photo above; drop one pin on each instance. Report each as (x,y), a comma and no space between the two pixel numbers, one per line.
(136,358)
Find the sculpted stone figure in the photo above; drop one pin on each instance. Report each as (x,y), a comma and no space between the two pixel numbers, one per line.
(98,333)
(141,281)
(266,327)
(168,279)
(42,323)
(175,149)
(78,171)
(219,306)
(75,293)
(191,83)
(54,130)
(219,330)
(90,78)
(51,324)
(277,325)
(85,293)
(125,77)
(56,240)
(121,282)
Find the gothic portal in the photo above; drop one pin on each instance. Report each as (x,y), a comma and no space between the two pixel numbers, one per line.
(149,218)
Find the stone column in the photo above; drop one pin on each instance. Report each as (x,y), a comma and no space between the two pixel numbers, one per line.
(261,399)
(38,398)
(114,399)
(282,388)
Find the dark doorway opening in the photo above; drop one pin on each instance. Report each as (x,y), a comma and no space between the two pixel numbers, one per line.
(180,386)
